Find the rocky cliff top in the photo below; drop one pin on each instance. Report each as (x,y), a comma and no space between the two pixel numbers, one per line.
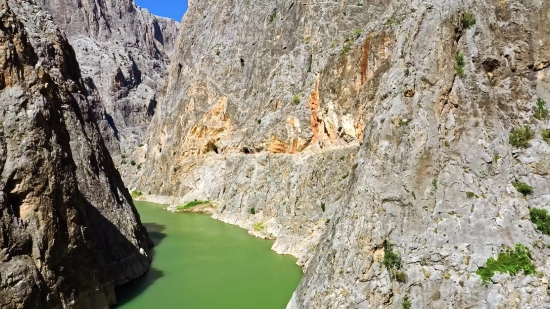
(125,51)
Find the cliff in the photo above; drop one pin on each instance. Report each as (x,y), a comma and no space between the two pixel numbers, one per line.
(68,229)
(378,141)
(125,50)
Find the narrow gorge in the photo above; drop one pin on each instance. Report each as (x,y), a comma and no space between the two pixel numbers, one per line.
(400,150)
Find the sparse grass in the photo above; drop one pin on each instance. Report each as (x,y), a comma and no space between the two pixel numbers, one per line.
(545,134)
(541,112)
(403,122)
(469,20)
(520,136)
(541,219)
(357,33)
(258,226)
(406,303)
(296,100)
(192,204)
(136,193)
(511,261)
(523,188)
(459,67)
(496,158)
(434,183)
(400,276)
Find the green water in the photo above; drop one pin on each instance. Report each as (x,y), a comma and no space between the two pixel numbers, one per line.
(201,263)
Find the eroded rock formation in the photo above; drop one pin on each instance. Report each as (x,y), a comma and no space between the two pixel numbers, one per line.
(68,229)
(125,51)
(346,126)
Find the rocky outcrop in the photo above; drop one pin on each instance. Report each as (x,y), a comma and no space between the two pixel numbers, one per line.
(348,128)
(68,229)
(125,50)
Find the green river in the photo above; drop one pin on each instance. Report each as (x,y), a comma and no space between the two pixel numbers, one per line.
(201,263)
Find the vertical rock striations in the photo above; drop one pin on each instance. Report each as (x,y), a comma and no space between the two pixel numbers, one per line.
(68,229)
(359,131)
(125,51)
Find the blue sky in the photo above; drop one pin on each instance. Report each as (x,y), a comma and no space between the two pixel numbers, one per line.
(168,8)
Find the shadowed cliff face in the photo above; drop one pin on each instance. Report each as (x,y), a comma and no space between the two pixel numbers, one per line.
(350,125)
(125,51)
(68,229)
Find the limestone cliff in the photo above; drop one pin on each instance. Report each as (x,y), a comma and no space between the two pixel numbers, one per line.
(125,50)
(352,127)
(68,229)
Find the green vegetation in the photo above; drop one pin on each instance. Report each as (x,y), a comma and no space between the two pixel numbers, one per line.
(496,158)
(469,20)
(359,4)
(523,188)
(511,261)
(459,67)
(258,226)
(403,122)
(541,219)
(434,183)
(323,206)
(541,112)
(253,210)
(296,100)
(406,303)
(272,17)
(133,162)
(471,195)
(400,276)
(520,136)
(545,134)
(392,259)
(192,204)
(135,194)
(357,33)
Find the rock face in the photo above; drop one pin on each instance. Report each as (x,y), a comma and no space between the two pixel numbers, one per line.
(125,50)
(68,229)
(347,126)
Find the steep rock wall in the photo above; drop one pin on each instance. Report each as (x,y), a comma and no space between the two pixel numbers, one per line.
(68,229)
(268,104)
(125,51)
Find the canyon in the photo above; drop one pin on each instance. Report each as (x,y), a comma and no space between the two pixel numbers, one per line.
(398,149)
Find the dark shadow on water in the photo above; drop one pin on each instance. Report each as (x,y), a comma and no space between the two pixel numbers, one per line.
(127,292)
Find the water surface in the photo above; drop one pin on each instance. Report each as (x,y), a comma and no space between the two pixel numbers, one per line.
(201,263)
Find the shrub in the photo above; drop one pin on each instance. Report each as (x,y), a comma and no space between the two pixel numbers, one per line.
(459,67)
(136,193)
(323,206)
(192,204)
(296,100)
(272,17)
(469,20)
(434,183)
(541,219)
(541,112)
(523,188)
(471,195)
(133,162)
(392,259)
(511,261)
(401,276)
(258,226)
(545,134)
(253,210)
(406,303)
(520,136)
